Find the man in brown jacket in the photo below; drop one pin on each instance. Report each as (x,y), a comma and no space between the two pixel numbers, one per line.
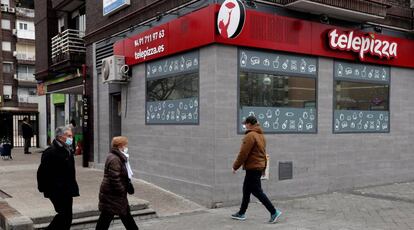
(252,157)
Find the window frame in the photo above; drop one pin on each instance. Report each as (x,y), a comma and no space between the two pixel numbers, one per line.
(334,97)
(280,73)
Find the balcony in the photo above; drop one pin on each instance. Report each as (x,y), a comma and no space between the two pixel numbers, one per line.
(26,80)
(25,12)
(26,99)
(68,49)
(354,10)
(23,58)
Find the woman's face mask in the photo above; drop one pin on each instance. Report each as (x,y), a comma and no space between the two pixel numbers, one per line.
(124,150)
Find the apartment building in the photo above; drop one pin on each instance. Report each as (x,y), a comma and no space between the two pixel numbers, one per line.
(60,57)
(18,88)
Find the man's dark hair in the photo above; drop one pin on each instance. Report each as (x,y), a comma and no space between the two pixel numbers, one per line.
(251,120)
(25,119)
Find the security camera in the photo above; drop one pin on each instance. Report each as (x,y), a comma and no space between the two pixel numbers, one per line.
(250,3)
(378,29)
(323,18)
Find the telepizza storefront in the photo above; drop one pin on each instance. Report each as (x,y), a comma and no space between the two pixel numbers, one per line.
(335,104)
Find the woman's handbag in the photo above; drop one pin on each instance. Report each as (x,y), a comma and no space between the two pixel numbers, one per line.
(130,189)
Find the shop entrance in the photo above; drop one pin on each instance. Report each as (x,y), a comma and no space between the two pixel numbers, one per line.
(116,121)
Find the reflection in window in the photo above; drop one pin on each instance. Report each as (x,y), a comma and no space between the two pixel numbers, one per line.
(172,88)
(266,90)
(361,96)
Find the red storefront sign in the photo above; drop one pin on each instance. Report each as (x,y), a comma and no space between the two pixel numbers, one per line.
(266,31)
(185,33)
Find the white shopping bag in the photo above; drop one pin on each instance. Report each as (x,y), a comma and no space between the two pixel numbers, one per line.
(265,175)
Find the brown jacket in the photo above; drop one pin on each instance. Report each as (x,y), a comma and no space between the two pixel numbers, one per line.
(113,192)
(252,153)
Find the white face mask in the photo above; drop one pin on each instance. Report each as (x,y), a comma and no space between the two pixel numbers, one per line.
(125,150)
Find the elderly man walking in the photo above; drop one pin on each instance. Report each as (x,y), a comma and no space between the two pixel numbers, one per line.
(56,178)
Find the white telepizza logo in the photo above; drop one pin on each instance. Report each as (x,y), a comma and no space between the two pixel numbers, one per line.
(231,17)
(362,44)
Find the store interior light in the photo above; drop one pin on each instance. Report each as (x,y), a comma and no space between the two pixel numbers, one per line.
(267,80)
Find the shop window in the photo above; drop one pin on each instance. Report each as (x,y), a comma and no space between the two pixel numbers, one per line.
(172,90)
(361,98)
(279,89)
(267,90)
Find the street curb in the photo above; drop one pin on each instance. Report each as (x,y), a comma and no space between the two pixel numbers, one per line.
(11,219)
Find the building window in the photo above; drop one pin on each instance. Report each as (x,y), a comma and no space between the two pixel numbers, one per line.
(7,92)
(172,89)
(5,3)
(22,26)
(279,90)
(7,67)
(61,24)
(6,46)
(361,98)
(26,72)
(5,24)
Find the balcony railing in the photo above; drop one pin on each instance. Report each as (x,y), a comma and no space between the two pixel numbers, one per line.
(67,43)
(24,12)
(26,77)
(25,57)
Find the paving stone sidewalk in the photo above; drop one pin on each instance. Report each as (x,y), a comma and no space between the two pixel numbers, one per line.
(387,207)
(334,211)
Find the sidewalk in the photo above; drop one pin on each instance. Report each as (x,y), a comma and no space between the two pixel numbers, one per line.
(376,208)
(18,179)
(388,207)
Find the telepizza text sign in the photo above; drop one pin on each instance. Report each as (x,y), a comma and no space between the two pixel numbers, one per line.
(148,44)
(362,44)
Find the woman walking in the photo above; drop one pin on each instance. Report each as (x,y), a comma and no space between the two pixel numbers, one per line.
(115,186)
